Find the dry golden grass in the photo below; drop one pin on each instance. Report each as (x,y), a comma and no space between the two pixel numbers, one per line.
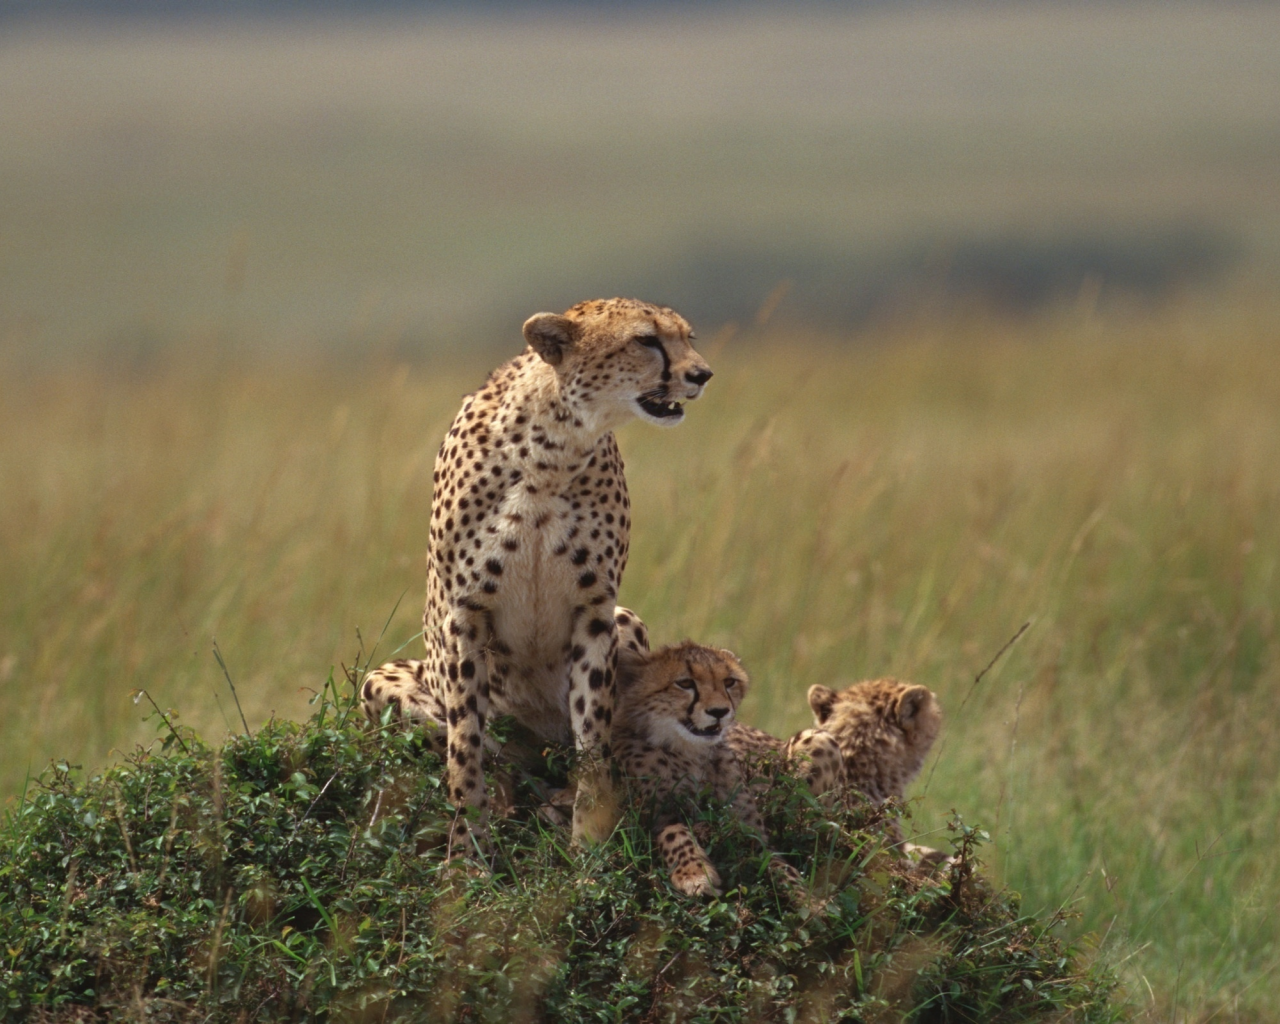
(897,503)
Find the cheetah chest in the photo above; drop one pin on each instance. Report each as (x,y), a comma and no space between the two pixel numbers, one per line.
(550,571)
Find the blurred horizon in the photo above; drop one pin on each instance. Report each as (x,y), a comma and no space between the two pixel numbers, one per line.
(419,177)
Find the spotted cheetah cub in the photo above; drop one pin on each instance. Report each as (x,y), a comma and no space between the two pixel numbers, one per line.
(885,729)
(811,754)
(674,707)
(872,736)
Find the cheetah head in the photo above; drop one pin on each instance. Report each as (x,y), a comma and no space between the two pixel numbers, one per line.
(685,693)
(618,358)
(882,714)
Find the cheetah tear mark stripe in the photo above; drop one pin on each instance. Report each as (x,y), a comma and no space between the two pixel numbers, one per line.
(653,342)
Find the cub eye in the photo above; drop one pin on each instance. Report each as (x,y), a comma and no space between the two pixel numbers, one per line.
(686,684)
(732,682)
(648,340)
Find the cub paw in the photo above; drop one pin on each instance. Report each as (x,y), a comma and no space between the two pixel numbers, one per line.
(697,878)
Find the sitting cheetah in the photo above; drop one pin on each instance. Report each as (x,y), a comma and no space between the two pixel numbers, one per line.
(674,707)
(530,523)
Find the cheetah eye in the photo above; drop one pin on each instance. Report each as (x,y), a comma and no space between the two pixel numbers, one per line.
(648,340)
(732,682)
(686,684)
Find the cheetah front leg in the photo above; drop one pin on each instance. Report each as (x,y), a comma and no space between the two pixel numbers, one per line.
(466,690)
(592,688)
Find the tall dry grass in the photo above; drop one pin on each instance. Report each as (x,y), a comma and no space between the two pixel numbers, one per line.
(897,503)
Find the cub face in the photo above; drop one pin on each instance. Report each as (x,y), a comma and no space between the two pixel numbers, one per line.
(686,694)
(619,358)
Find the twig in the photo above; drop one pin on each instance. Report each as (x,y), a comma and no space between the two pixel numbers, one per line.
(218,654)
(385,626)
(976,680)
(991,664)
(225,720)
(312,807)
(1007,785)
(138,694)
(356,672)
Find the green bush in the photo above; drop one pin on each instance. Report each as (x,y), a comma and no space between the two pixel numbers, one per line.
(298,873)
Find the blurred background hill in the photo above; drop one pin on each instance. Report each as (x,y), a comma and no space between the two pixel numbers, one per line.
(420,176)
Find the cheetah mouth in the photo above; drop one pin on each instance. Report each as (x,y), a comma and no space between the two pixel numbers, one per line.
(707,733)
(659,409)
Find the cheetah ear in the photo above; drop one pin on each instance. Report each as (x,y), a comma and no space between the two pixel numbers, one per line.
(746,679)
(551,335)
(913,700)
(821,700)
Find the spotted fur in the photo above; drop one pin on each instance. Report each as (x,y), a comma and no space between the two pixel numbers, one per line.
(885,729)
(811,754)
(530,526)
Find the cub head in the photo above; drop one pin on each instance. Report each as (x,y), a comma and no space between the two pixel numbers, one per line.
(685,693)
(891,722)
(618,358)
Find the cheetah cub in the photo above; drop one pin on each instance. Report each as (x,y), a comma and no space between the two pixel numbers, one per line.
(873,736)
(884,728)
(674,707)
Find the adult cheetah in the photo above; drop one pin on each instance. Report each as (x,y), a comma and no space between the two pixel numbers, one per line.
(530,525)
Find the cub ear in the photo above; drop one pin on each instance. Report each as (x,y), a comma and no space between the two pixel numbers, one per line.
(913,700)
(821,700)
(551,335)
(737,661)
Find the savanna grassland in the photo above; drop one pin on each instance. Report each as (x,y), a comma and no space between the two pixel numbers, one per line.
(897,502)
(1026,371)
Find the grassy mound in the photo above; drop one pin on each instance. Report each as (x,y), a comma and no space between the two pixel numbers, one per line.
(297,873)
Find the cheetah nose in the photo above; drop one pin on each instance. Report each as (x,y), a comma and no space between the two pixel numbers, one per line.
(717,713)
(698,377)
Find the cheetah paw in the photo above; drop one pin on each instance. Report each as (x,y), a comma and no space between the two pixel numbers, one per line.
(699,879)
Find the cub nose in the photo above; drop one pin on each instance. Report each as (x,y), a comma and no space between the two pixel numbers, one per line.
(717,713)
(698,377)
